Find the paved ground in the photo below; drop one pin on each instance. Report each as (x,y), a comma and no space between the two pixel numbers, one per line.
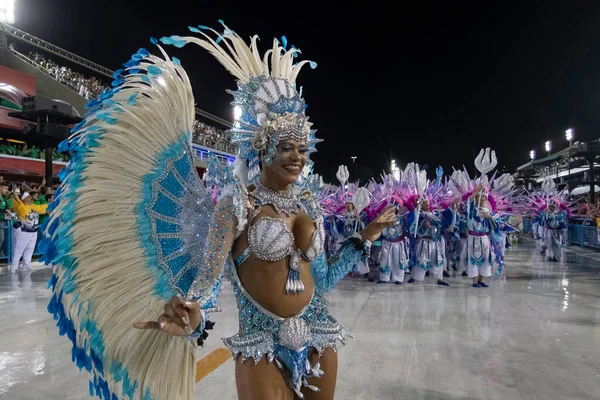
(534,334)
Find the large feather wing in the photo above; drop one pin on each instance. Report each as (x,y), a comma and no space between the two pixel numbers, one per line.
(127,232)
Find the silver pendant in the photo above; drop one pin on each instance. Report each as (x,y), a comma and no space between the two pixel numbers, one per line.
(294,284)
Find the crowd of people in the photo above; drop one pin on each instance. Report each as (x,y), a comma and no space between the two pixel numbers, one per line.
(23,150)
(87,87)
(91,88)
(457,226)
(585,207)
(210,136)
(462,225)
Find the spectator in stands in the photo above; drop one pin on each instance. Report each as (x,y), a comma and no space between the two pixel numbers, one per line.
(209,135)
(86,87)
(582,206)
(33,152)
(9,149)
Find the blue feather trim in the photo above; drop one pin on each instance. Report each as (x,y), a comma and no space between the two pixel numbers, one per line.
(56,246)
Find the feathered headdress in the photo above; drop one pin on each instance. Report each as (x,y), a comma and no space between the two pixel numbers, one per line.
(497,190)
(538,200)
(271,107)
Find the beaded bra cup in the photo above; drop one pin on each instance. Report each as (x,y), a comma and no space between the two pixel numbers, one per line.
(270,239)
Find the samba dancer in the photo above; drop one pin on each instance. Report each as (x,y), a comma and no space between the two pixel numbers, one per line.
(456,236)
(483,227)
(173,241)
(431,246)
(555,223)
(394,258)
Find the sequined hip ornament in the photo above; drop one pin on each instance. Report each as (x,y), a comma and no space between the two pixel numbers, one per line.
(284,341)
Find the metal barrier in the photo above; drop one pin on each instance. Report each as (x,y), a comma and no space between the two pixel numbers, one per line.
(583,232)
(225,147)
(7,243)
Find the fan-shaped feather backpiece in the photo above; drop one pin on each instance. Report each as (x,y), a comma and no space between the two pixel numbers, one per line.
(128,232)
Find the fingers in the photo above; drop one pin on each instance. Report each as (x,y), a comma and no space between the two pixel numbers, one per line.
(174,319)
(147,325)
(166,324)
(161,325)
(388,213)
(180,309)
(173,326)
(389,209)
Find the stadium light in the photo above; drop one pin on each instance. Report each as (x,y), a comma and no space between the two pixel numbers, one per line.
(548,146)
(532,154)
(569,135)
(7,11)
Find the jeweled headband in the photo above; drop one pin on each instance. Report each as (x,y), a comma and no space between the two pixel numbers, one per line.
(272,109)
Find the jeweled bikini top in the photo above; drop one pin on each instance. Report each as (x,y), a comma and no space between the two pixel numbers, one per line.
(270,239)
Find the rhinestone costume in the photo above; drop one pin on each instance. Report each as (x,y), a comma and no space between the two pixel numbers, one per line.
(270,239)
(482,236)
(287,341)
(271,110)
(431,246)
(288,203)
(394,242)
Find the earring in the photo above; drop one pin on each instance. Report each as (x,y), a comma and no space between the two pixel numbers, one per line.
(267,159)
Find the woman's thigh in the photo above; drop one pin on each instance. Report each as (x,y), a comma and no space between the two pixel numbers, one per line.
(326,383)
(261,381)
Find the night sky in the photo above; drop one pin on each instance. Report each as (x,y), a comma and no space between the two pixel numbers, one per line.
(431,84)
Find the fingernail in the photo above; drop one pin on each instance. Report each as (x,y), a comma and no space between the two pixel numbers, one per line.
(185,320)
(188,330)
(161,324)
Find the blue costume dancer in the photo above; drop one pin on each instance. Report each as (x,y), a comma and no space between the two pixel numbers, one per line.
(158,253)
(455,234)
(430,252)
(505,229)
(555,223)
(483,228)
(394,258)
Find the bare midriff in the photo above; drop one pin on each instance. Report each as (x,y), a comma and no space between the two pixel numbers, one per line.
(265,280)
